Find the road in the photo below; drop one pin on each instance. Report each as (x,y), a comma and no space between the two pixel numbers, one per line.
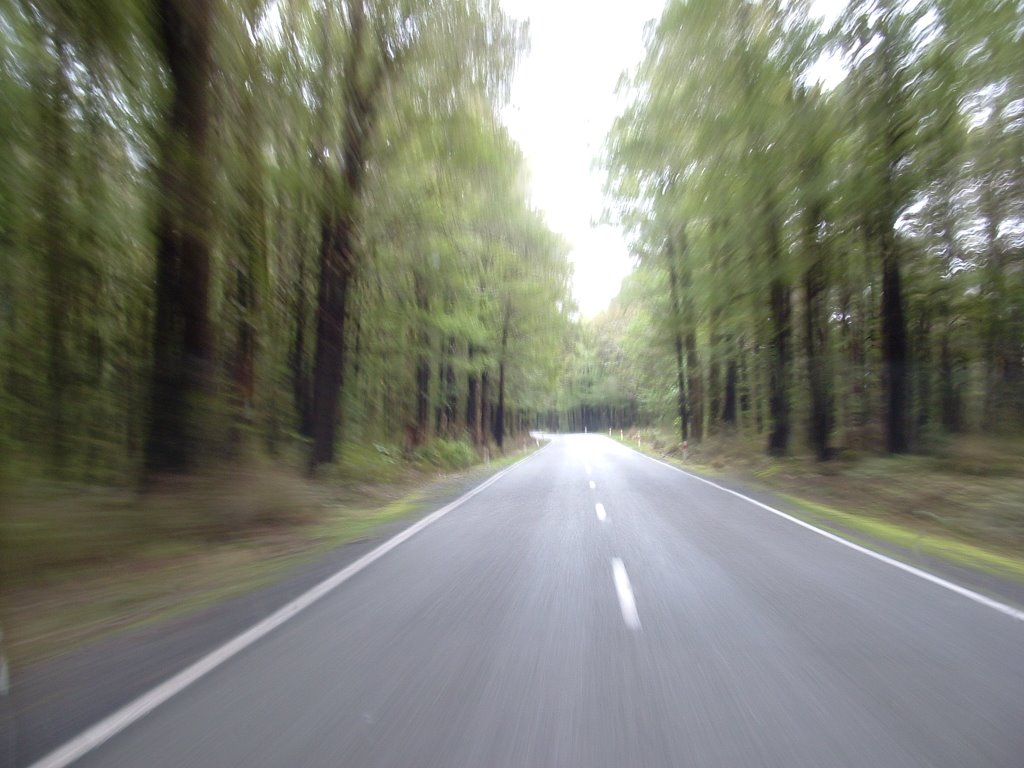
(592,607)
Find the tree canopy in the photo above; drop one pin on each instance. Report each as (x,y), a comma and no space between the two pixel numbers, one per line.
(843,258)
(265,227)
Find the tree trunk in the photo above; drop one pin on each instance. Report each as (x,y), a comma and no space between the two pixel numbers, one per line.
(484,421)
(778,371)
(677,334)
(715,389)
(422,361)
(923,372)
(182,341)
(729,404)
(499,420)
(778,399)
(449,395)
(339,220)
(472,404)
(336,262)
(250,263)
(815,346)
(58,261)
(894,349)
(301,385)
(951,408)
(893,321)
(694,387)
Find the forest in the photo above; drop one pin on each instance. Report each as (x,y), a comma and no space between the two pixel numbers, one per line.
(828,221)
(268,232)
(276,294)
(272,277)
(266,228)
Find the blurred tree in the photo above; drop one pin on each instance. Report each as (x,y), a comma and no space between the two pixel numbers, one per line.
(212,193)
(183,342)
(864,233)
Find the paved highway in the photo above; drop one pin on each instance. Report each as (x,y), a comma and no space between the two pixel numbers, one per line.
(593,607)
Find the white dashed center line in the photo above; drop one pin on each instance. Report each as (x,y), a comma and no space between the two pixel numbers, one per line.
(587,468)
(601,514)
(625,592)
(593,485)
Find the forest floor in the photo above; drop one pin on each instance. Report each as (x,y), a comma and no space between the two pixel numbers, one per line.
(81,562)
(962,504)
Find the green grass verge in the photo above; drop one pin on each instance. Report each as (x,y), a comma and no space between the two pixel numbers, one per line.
(962,507)
(919,541)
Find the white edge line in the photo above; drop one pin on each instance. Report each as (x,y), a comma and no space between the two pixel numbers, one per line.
(113,724)
(627,603)
(970,594)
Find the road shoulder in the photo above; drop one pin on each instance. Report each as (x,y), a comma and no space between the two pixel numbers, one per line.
(891,540)
(52,700)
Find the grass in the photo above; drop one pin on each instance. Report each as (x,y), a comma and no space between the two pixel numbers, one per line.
(917,540)
(80,563)
(964,503)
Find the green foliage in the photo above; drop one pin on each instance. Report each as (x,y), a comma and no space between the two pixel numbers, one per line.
(86,107)
(827,244)
(446,454)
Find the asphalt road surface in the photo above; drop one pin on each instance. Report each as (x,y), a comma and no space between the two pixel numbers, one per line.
(592,607)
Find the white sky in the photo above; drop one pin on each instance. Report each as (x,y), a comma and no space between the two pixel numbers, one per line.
(562,107)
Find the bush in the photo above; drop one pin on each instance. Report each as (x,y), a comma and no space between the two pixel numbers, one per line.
(447,454)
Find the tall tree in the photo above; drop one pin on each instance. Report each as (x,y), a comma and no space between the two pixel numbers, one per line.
(183,338)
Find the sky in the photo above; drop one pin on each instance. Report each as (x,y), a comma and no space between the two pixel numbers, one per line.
(562,107)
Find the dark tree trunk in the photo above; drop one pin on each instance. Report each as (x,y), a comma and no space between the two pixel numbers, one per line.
(250,264)
(951,407)
(244,368)
(301,385)
(422,400)
(694,401)
(923,365)
(673,285)
(422,361)
(694,387)
(815,345)
(729,404)
(894,350)
(778,400)
(778,372)
(816,330)
(472,402)
(182,342)
(484,422)
(745,391)
(499,420)
(338,258)
(715,388)
(893,321)
(58,261)
(336,262)
(446,383)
